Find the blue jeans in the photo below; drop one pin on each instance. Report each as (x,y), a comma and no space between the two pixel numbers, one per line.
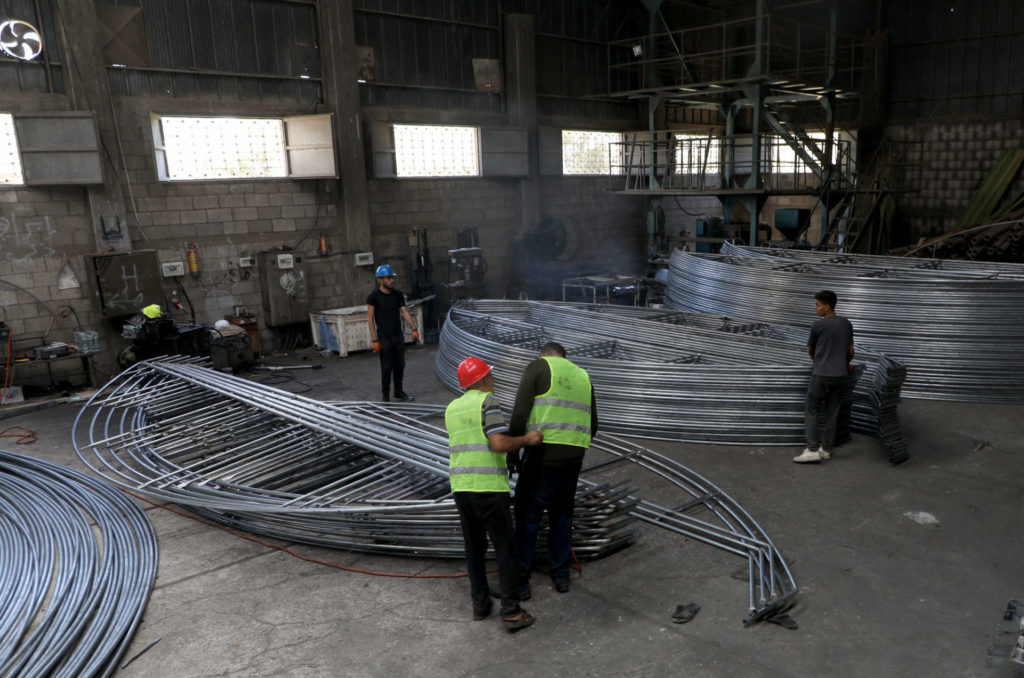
(551,489)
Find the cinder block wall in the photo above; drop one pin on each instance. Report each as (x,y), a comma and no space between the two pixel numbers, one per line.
(946,165)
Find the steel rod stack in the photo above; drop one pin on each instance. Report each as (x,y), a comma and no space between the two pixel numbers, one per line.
(674,375)
(78,563)
(365,476)
(958,328)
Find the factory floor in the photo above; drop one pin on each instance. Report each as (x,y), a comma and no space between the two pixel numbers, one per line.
(903,570)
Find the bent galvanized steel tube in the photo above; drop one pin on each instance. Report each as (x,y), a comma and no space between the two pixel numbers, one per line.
(957,327)
(674,375)
(364,476)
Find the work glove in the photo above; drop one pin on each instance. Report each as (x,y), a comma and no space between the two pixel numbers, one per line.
(376,346)
(415,335)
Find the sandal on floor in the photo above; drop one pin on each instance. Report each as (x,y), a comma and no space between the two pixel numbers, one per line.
(685,613)
(518,621)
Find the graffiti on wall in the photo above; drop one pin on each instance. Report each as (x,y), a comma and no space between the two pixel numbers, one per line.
(23,239)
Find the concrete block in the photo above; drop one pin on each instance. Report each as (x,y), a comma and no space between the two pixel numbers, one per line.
(284,225)
(179,203)
(256,200)
(268,212)
(151,204)
(229,200)
(278,199)
(194,217)
(166,218)
(8,196)
(243,213)
(221,214)
(293,211)
(237,188)
(235,227)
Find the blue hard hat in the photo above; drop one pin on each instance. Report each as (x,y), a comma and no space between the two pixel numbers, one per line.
(384,271)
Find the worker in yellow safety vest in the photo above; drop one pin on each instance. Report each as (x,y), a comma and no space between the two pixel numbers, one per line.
(478,442)
(556,398)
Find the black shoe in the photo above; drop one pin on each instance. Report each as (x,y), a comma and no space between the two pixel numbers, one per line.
(479,615)
(562,585)
(385,398)
(402,395)
(518,621)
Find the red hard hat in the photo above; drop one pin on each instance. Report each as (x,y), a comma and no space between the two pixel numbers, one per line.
(472,370)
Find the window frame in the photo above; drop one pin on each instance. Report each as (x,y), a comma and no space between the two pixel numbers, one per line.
(307,147)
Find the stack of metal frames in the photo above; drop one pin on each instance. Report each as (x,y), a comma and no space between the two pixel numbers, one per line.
(368,476)
(958,331)
(675,375)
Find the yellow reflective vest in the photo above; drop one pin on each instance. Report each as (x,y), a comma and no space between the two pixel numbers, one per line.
(473,466)
(563,413)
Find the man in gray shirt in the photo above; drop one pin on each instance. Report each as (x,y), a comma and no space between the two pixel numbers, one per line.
(831,348)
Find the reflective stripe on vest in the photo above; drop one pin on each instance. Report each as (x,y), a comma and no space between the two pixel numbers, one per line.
(473,466)
(562,414)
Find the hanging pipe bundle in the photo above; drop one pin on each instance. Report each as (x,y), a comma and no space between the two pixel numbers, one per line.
(675,375)
(367,476)
(78,563)
(958,332)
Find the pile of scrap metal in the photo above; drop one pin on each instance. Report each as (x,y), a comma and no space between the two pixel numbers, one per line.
(79,562)
(369,476)
(675,375)
(957,326)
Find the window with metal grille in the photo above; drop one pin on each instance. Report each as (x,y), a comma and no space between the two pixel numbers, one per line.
(698,153)
(10,161)
(589,152)
(192,148)
(437,151)
(223,148)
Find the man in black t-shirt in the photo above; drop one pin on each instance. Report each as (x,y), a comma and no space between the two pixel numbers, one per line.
(830,346)
(385,309)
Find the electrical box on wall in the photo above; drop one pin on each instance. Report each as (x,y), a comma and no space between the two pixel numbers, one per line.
(127,281)
(173,268)
(284,286)
(364,258)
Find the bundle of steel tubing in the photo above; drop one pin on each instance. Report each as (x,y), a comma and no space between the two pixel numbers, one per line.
(958,332)
(78,563)
(366,476)
(674,375)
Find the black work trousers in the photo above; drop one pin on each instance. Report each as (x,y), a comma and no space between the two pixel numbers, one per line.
(484,514)
(392,362)
(827,393)
(550,488)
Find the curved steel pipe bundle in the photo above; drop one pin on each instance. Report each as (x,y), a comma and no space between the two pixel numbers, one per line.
(674,375)
(78,563)
(365,476)
(959,334)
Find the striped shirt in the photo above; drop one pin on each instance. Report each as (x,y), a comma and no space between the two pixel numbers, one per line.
(493,420)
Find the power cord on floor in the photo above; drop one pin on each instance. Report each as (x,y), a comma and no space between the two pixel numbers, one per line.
(26,438)
(576,562)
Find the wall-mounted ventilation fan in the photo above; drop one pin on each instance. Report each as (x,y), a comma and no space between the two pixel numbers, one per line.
(20,39)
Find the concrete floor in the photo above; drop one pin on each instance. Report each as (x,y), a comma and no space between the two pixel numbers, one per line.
(902,570)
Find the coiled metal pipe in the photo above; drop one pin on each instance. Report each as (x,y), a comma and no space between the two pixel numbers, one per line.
(674,375)
(70,598)
(959,333)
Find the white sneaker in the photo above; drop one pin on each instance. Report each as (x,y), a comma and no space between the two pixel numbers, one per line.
(824,454)
(808,456)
